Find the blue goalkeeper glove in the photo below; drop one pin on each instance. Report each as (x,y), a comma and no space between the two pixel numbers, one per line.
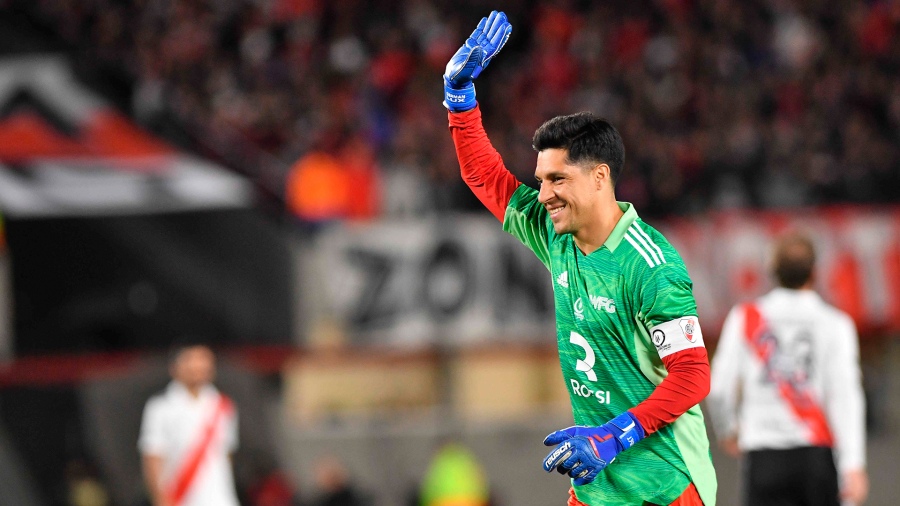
(474,56)
(582,452)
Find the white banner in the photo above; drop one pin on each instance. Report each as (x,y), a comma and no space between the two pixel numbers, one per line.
(463,280)
(454,280)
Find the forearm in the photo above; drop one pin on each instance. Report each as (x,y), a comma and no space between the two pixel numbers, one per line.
(685,386)
(480,164)
(844,401)
(152,468)
(725,378)
(847,423)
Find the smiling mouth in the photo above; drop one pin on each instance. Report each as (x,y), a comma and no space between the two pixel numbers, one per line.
(556,210)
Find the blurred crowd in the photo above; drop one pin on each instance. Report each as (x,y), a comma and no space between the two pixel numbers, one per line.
(721,103)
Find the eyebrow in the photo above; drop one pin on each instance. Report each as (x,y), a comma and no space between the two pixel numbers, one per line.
(550,175)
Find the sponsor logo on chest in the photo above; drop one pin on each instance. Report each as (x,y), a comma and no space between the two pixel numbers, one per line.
(598,302)
(601,303)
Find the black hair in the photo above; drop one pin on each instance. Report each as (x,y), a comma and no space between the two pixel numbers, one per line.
(795,258)
(586,138)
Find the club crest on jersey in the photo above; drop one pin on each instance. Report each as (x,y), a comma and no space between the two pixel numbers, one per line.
(563,279)
(689,327)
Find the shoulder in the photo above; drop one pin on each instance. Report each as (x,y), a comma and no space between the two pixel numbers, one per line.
(524,208)
(740,309)
(645,248)
(836,317)
(157,400)
(227,403)
(645,254)
(524,200)
(161,399)
(157,406)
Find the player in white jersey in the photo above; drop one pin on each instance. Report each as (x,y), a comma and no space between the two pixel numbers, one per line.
(187,436)
(786,391)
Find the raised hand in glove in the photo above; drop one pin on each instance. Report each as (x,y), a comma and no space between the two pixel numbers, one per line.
(474,56)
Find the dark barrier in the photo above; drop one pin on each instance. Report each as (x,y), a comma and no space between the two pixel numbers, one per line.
(143,281)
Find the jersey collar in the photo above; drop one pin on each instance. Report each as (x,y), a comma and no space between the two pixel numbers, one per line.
(178,389)
(615,237)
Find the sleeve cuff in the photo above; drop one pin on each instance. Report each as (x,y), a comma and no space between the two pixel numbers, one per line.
(462,119)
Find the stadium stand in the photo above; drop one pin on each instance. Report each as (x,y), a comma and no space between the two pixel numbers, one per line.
(722,103)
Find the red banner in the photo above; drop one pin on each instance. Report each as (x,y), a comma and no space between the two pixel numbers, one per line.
(728,255)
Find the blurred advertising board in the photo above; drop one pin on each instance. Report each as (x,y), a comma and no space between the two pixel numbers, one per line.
(321,386)
(461,279)
(449,280)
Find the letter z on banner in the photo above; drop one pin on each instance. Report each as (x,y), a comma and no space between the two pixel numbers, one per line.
(800,400)
(187,470)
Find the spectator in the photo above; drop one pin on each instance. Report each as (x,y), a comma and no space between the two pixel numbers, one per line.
(84,486)
(335,486)
(770,104)
(455,477)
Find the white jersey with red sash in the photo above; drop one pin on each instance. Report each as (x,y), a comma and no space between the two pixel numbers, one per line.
(195,437)
(786,375)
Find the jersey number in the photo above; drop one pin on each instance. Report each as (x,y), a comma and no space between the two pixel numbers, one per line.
(587,365)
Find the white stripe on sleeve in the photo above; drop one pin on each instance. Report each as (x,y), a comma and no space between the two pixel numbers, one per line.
(635,225)
(640,250)
(646,246)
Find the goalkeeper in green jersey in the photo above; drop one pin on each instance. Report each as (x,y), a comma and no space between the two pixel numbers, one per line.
(630,344)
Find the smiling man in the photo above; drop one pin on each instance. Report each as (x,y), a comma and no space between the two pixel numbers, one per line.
(629,340)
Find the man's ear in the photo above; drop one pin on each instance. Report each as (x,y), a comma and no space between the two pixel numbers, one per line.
(601,174)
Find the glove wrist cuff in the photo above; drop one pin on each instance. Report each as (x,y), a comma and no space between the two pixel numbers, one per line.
(459,99)
(626,429)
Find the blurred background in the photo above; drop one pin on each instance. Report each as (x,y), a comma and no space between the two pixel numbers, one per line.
(276,178)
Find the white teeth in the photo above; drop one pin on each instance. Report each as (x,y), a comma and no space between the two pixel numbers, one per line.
(555,210)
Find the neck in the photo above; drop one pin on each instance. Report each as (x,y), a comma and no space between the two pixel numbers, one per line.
(806,286)
(592,236)
(193,390)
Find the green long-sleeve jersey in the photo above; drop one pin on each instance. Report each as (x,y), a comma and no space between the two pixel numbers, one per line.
(619,310)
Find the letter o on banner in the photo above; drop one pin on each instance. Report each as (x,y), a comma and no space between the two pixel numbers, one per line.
(446,281)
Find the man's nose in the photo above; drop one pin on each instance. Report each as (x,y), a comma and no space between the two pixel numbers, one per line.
(544,193)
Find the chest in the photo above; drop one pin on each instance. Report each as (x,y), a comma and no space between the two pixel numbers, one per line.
(183,422)
(590,291)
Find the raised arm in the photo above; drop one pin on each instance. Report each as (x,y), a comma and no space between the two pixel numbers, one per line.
(481,166)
